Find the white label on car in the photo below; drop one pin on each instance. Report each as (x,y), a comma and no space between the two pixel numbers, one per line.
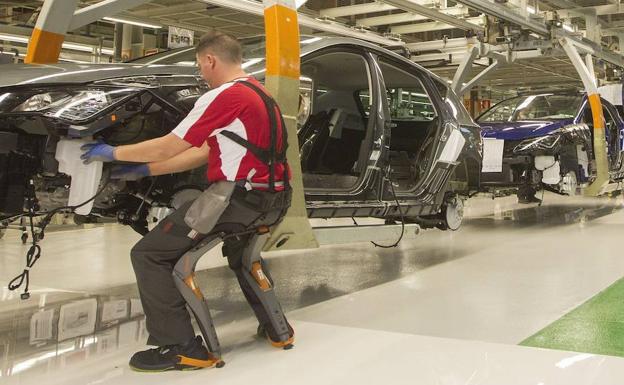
(492,155)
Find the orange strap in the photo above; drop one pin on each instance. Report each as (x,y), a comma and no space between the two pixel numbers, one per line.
(281,344)
(198,363)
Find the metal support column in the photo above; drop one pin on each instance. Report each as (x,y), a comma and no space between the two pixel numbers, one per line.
(53,23)
(585,70)
(47,37)
(126,42)
(118,41)
(460,83)
(463,71)
(282,80)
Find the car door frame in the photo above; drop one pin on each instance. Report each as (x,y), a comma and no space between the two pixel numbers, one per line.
(428,193)
(364,198)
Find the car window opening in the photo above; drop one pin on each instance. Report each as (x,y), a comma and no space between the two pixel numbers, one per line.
(332,138)
(414,122)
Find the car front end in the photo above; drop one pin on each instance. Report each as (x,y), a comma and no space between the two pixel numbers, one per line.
(533,142)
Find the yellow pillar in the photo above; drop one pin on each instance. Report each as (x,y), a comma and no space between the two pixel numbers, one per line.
(47,37)
(600,149)
(282,81)
(586,72)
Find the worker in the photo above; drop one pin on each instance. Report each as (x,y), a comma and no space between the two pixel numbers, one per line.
(227,128)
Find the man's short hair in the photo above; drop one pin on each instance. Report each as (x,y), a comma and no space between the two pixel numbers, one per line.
(222,45)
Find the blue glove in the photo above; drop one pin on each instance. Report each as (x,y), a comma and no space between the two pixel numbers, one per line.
(97,151)
(130,171)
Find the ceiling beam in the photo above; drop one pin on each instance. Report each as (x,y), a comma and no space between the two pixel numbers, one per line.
(358,9)
(171,10)
(405,17)
(434,14)
(599,10)
(505,13)
(435,26)
(256,8)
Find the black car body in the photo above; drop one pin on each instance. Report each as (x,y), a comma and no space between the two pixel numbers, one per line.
(368,118)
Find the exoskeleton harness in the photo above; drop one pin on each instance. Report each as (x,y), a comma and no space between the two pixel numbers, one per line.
(275,197)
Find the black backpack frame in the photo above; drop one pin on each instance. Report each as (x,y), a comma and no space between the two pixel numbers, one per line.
(270,156)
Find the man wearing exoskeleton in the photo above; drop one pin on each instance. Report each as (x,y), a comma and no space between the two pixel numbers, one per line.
(238,130)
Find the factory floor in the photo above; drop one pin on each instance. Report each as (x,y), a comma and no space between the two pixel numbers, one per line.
(521,294)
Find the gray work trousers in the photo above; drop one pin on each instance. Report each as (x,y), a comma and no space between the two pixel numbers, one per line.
(155,255)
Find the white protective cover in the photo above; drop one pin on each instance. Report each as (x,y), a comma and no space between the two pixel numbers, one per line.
(85,178)
(551,170)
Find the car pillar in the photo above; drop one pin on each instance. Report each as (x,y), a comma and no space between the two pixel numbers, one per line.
(585,70)
(282,81)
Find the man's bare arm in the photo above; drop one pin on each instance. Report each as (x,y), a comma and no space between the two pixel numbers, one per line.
(153,150)
(187,160)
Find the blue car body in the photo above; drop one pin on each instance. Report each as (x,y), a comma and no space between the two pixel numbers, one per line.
(567,140)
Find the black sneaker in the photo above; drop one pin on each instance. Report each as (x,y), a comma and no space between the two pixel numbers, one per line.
(191,356)
(263,332)
(528,199)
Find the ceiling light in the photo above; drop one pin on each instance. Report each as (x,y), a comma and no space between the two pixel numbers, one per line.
(251,62)
(531,10)
(78,47)
(568,27)
(132,22)
(72,46)
(299,3)
(13,38)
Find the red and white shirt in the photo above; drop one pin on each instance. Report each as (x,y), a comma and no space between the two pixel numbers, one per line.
(237,108)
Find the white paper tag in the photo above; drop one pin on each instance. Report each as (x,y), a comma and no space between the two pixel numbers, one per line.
(493,155)
(41,326)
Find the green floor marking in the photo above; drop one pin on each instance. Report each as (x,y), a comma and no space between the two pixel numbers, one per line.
(597,326)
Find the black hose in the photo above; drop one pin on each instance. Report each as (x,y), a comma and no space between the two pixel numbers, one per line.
(395,244)
(34,252)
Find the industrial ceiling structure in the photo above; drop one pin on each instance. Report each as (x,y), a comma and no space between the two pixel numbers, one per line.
(434,33)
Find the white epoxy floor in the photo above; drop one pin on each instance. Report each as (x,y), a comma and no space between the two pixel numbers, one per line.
(457,319)
(346,355)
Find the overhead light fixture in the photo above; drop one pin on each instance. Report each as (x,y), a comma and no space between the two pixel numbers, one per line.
(568,27)
(251,62)
(78,47)
(13,38)
(72,46)
(531,10)
(299,3)
(132,22)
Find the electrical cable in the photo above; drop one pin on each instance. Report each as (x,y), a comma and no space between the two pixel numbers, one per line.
(395,244)
(34,252)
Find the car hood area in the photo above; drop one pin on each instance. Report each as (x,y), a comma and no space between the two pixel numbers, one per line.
(520,130)
(68,73)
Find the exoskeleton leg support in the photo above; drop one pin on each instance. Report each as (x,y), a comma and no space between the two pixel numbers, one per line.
(184,277)
(262,286)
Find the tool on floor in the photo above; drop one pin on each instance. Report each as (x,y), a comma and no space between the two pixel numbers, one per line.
(184,277)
